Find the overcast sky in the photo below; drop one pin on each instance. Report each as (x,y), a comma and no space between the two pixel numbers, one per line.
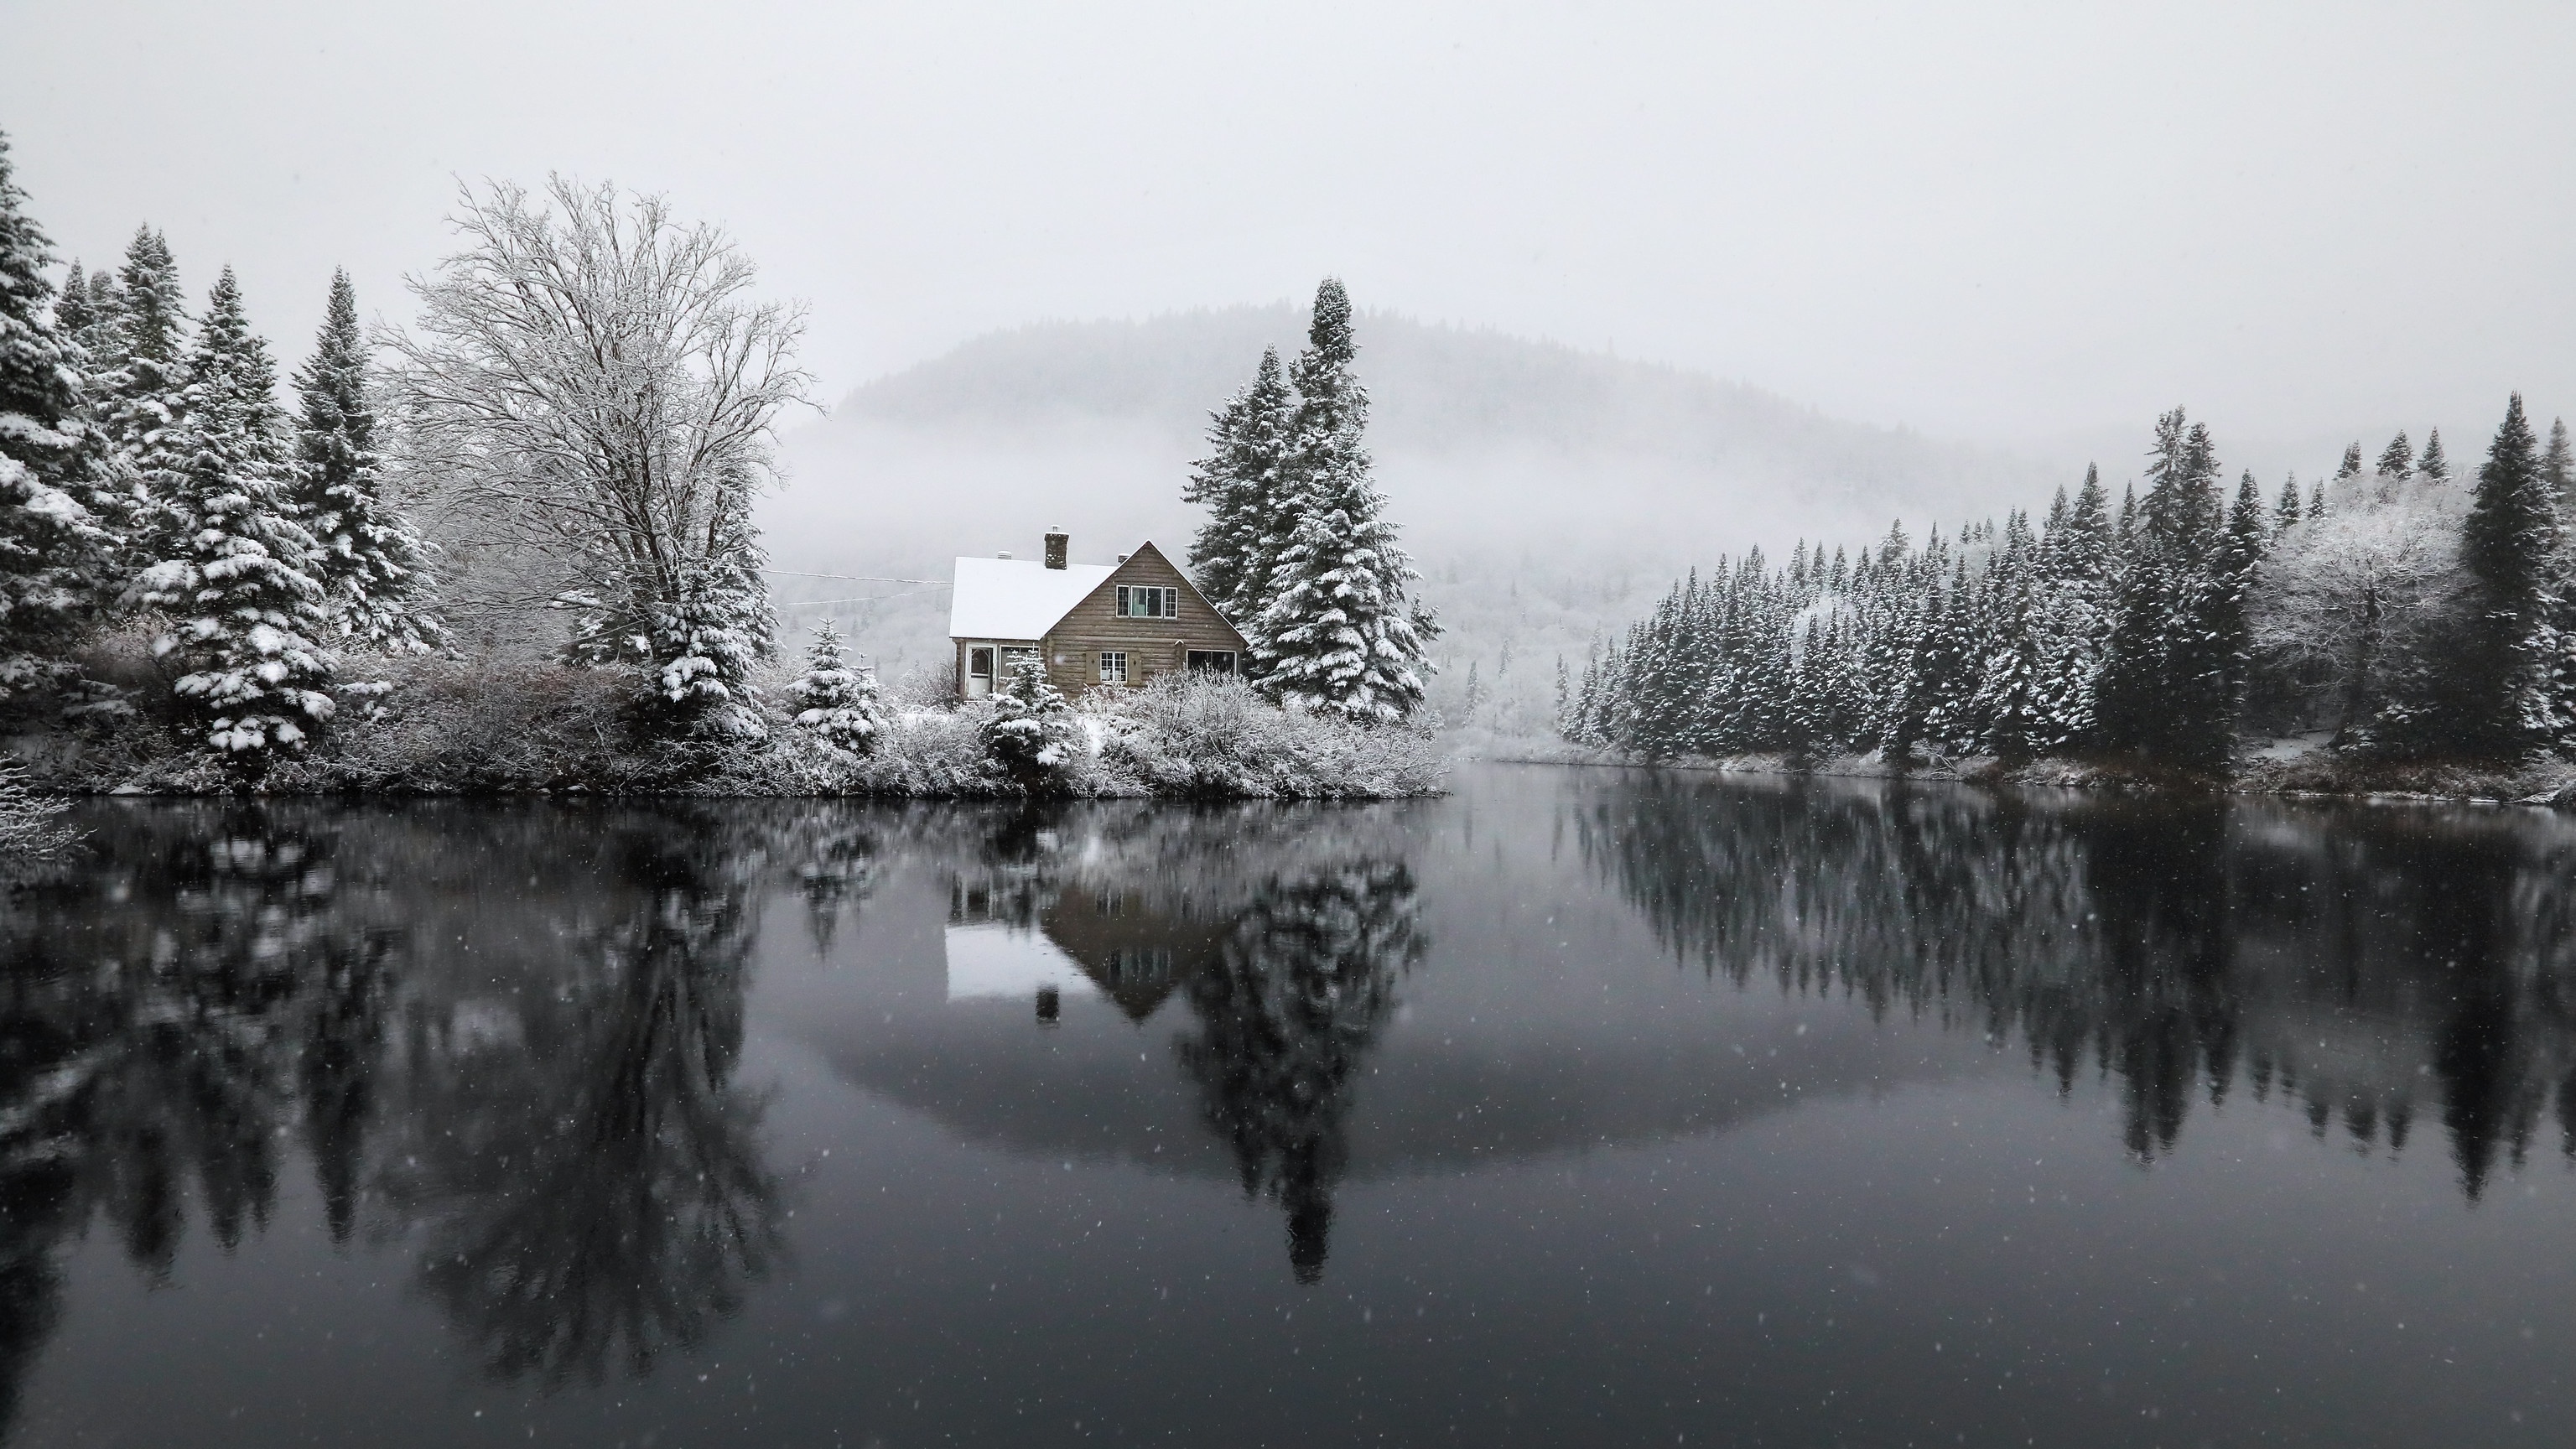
(1991,221)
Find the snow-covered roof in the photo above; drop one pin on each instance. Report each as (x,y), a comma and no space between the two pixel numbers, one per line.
(1012,598)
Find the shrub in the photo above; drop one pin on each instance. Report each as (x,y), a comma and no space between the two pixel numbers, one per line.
(1030,733)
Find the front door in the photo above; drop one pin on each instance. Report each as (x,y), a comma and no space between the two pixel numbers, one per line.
(979,670)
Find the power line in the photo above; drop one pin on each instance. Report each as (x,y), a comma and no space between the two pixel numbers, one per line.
(857,578)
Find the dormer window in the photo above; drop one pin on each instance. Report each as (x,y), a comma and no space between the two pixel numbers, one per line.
(1148,602)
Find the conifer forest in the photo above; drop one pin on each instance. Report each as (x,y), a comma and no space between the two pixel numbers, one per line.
(2402,610)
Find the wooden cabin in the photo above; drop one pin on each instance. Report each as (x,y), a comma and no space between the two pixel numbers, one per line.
(1094,625)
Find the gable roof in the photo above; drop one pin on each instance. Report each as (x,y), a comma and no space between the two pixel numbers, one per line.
(1013,598)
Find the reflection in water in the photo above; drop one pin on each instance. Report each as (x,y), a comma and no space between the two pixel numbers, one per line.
(500,1049)
(2355,960)
(1284,931)
(1298,990)
(584,1180)
(530,1078)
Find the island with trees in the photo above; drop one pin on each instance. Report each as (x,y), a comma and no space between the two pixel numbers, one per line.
(511,547)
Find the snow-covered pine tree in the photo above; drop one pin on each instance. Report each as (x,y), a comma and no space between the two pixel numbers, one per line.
(143,387)
(2397,460)
(2285,514)
(1240,483)
(2433,464)
(1031,734)
(2167,690)
(2317,499)
(52,552)
(373,566)
(835,703)
(2558,469)
(1339,631)
(2493,697)
(230,566)
(2350,467)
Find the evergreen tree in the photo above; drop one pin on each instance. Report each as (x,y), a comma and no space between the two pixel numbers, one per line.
(2317,499)
(2493,699)
(837,704)
(372,566)
(2398,459)
(2351,465)
(2433,465)
(52,557)
(1031,734)
(143,385)
(1339,631)
(2285,514)
(2558,469)
(1241,483)
(229,564)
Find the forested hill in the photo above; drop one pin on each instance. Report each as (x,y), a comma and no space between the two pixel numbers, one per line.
(1483,439)
(1548,493)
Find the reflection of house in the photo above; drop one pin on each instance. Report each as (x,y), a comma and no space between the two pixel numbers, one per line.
(1092,624)
(1136,955)
(1074,940)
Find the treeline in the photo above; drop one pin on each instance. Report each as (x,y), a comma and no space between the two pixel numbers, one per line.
(2391,604)
(148,476)
(575,430)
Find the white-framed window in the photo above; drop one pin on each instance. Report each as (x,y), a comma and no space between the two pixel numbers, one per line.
(1147,601)
(1113,666)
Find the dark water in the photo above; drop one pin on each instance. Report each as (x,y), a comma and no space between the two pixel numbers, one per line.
(1581,1107)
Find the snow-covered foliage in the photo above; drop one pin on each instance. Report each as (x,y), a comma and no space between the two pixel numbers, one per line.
(230,566)
(835,703)
(1212,735)
(1242,485)
(30,825)
(141,379)
(590,383)
(1029,731)
(2351,595)
(53,554)
(373,565)
(2393,607)
(1336,628)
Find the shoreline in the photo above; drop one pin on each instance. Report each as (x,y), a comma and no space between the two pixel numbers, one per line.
(2548,783)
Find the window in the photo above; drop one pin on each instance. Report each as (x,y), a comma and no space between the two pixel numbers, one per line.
(1211,661)
(979,663)
(1144,602)
(1014,658)
(1113,666)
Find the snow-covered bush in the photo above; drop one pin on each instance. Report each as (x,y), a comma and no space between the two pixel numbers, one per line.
(1213,736)
(29,828)
(1030,733)
(834,703)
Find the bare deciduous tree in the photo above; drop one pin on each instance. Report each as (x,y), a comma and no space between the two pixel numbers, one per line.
(2380,567)
(591,384)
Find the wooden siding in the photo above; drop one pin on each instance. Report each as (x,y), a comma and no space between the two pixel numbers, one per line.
(1153,646)
(1073,648)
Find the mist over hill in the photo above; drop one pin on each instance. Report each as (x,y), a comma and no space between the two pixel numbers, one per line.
(1546,491)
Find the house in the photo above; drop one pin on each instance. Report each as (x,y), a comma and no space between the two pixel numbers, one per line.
(1092,624)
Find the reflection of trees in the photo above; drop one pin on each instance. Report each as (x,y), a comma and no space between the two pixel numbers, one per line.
(1300,986)
(218,985)
(2338,957)
(159,1010)
(584,1176)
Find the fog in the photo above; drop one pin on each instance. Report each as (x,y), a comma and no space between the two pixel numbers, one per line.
(2009,223)
(1644,285)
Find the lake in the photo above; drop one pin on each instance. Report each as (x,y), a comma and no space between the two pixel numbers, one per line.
(1581,1106)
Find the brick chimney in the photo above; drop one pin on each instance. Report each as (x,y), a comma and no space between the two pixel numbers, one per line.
(1056,541)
